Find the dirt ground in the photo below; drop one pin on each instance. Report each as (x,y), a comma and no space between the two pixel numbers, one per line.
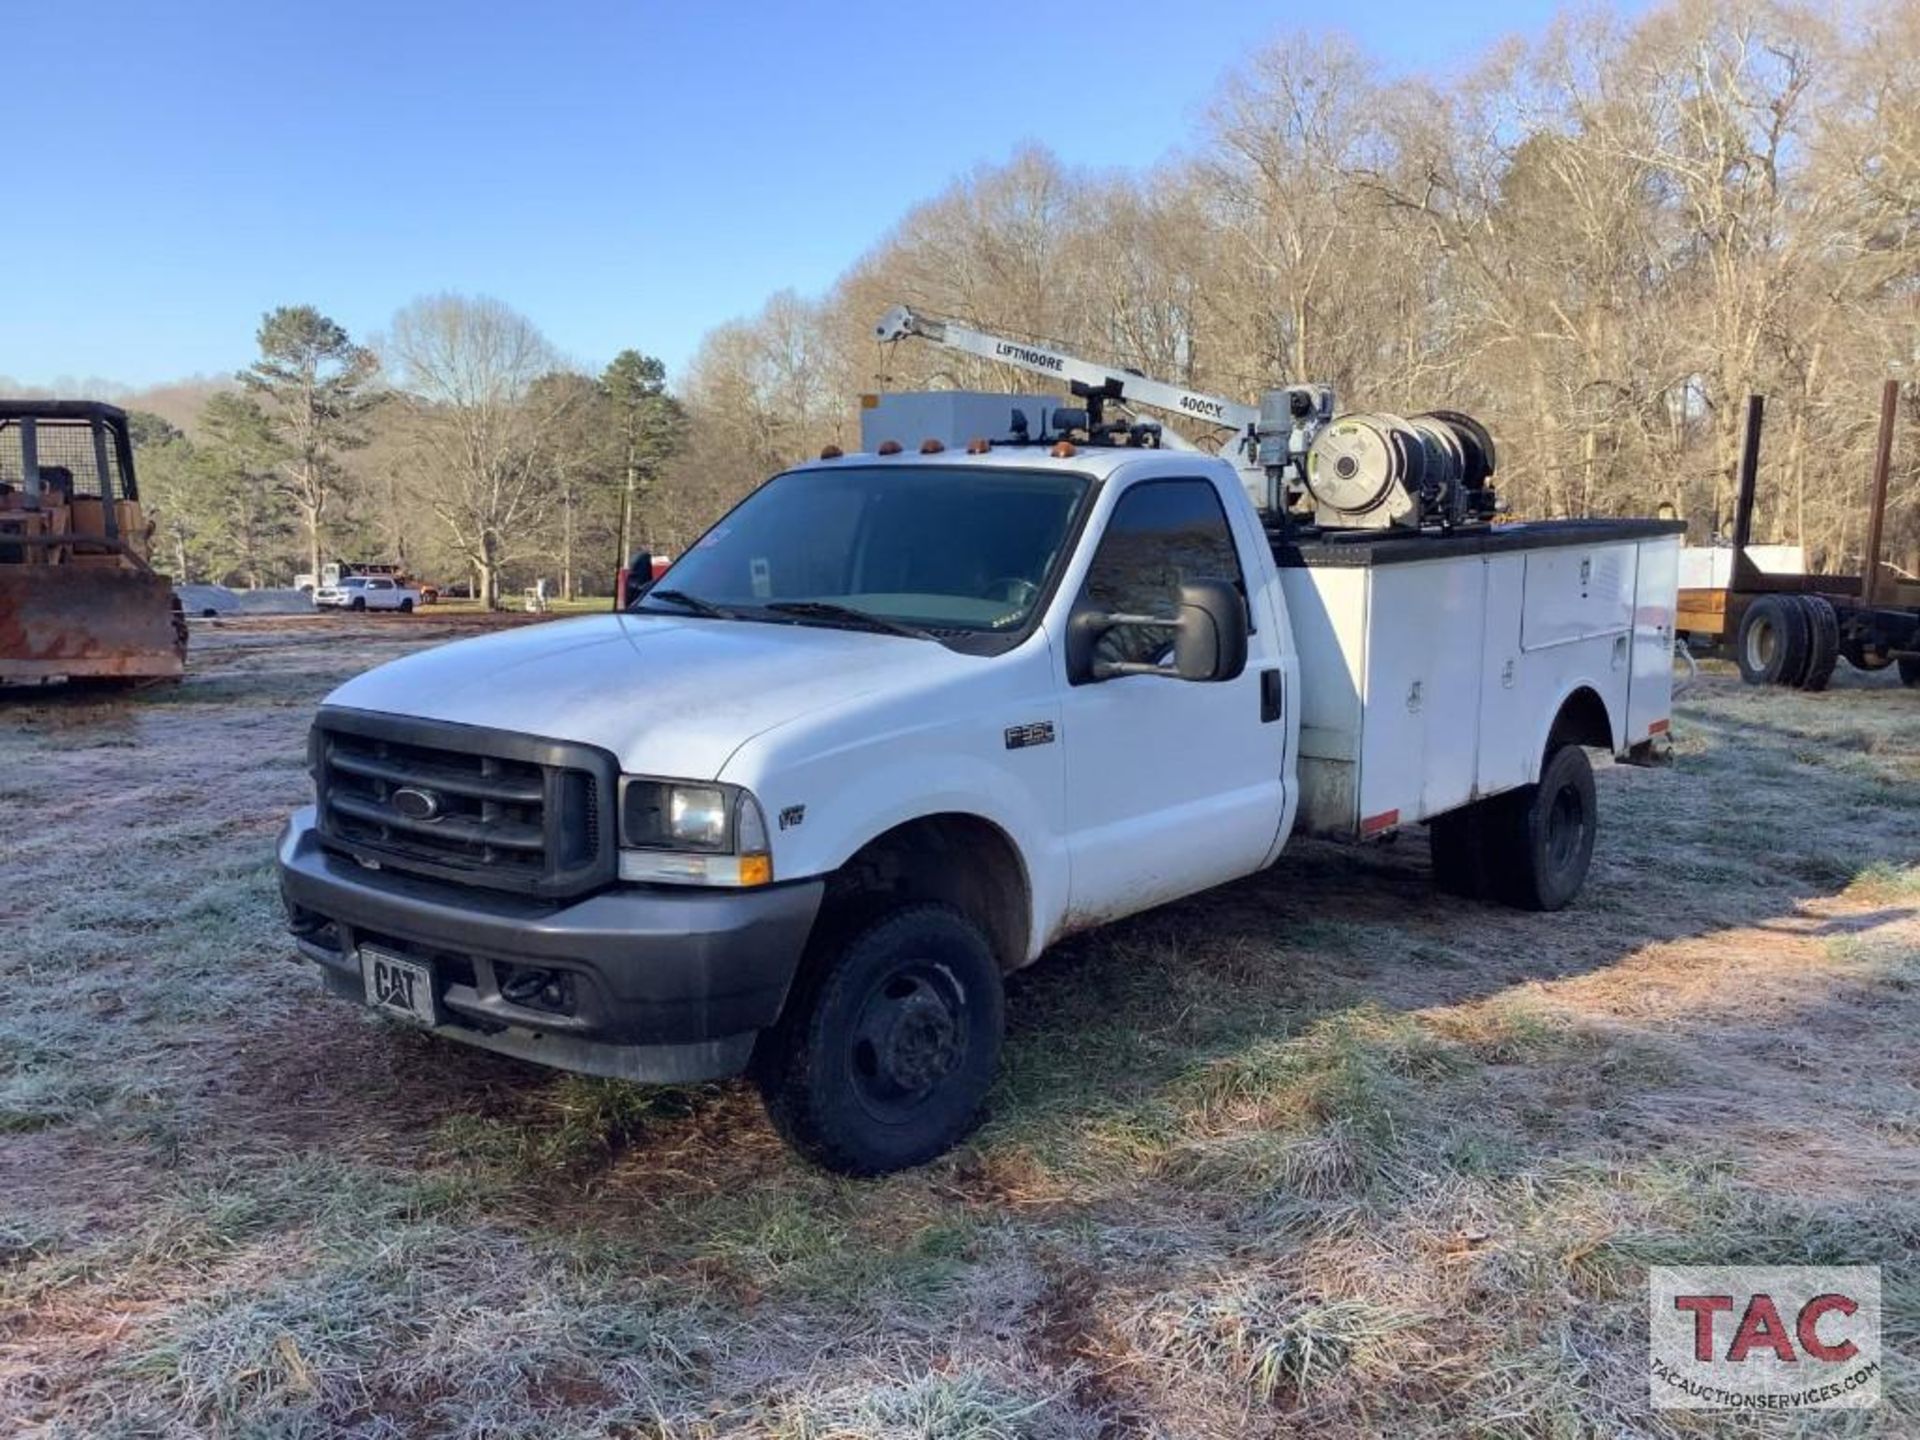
(1323,1152)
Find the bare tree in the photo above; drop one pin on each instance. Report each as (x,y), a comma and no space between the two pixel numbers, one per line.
(466,370)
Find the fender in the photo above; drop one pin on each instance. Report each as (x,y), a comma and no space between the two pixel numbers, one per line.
(1616,721)
(844,813)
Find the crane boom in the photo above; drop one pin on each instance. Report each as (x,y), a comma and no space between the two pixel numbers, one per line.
(1134,388)
(1270,439)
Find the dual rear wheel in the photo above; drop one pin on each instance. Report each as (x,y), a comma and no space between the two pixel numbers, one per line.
(1531,847)
(1791,640)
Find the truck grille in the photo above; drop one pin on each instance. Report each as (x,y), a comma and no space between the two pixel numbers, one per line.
(464,803)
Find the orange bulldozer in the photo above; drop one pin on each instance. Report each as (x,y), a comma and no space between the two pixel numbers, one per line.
(79,597)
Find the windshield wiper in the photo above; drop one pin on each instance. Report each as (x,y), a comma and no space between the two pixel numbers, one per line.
(848,616)
(691,602)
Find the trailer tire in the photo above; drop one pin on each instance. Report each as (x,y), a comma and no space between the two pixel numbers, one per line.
(1771,648)
(1823,641)
(888,1044)
(1910,670)
(1545,839)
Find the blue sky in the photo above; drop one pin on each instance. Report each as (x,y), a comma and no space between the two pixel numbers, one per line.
(624,174)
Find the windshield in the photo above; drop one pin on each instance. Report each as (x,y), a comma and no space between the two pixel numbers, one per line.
(951,548)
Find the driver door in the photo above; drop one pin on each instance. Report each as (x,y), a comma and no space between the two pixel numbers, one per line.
(1171,785)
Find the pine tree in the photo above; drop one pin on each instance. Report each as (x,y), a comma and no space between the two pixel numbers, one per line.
(650,426)
(311,383)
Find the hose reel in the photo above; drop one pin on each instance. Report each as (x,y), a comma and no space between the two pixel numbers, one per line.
(1376,470)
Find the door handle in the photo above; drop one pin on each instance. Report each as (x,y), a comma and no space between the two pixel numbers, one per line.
(1269,696)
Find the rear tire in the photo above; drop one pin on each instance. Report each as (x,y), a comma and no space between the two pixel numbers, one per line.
(1773,642)
(406,607)
(888,1044)
(1823,641)
(1546,838)
(1458,840)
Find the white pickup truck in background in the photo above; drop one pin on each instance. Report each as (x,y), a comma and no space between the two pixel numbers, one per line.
(903,719)
(366,592)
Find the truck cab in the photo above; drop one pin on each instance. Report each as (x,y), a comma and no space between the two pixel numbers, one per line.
(894,725)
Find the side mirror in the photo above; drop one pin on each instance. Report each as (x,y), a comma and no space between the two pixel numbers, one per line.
(1209,637)
(636,578)
(1212,640)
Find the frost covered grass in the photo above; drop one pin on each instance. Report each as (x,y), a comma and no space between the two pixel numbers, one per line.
(1320,1152)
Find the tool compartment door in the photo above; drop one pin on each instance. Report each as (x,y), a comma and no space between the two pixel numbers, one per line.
(1577,592)
(1576,629)
(1650,687)
(1425,652)
(1508,726)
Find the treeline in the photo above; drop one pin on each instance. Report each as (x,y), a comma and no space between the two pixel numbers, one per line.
(462,448)
(1600,243)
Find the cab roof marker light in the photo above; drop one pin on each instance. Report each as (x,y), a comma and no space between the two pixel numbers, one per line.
(979,447)
(931,446)
(831,452)
(888,447)
(1063,451)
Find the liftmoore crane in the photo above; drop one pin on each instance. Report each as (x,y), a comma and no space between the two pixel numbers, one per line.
(1299,461)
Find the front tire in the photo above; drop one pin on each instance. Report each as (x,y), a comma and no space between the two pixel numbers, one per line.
(359,603)
(884,1055)
(406,607)
(1547,844)
(1910,670)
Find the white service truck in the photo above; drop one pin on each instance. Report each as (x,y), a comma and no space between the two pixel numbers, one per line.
(904,718)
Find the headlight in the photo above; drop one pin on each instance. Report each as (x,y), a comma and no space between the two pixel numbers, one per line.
(692,834)
(697,817)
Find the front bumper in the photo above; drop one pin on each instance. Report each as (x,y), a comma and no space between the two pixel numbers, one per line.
(661,983)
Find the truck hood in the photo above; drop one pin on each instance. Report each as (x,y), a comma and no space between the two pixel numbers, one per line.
(669,696)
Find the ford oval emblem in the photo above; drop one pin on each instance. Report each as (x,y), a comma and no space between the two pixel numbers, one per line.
(415,803)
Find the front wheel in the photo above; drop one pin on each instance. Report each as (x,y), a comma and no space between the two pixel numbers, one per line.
(887,1047)
(406,607)
(359,603)
(1910,670)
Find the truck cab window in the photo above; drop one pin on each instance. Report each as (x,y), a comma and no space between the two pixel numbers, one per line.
(955,549)
(1162,534)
